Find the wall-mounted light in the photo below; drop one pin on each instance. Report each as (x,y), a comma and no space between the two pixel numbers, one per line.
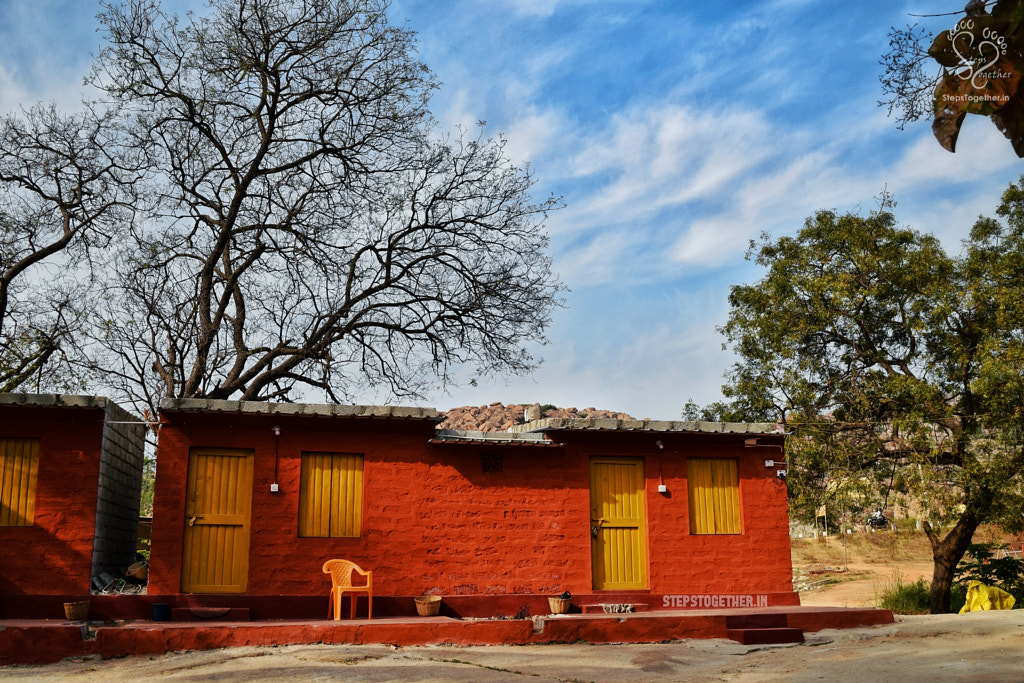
(277,432)
(661,477)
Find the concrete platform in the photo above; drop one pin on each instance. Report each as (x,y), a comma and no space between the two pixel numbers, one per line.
(45,641)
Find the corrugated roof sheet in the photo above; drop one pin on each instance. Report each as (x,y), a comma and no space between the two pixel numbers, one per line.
(531,433)
(577,424)
(308,409)
(492,438)
(62,400)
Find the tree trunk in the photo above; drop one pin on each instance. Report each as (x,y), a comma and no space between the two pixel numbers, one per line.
(946,554)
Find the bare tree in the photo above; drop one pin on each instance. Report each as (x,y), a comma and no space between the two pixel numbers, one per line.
(908,76)
(313,228)
(63,190)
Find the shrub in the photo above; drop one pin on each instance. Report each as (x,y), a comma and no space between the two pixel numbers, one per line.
(980,564)
(906,598)
(905,524)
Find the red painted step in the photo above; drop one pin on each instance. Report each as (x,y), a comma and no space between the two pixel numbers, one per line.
(757,620)
(210,614)
(765,636)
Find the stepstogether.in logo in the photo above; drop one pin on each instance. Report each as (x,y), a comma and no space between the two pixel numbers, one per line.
(961,99)
(983,46)
(714,601)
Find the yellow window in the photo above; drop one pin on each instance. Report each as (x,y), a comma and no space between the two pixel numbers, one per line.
(714,490)
(331,494)
(19,466)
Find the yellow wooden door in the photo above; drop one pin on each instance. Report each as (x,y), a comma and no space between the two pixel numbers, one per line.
(217,507)
(617,523)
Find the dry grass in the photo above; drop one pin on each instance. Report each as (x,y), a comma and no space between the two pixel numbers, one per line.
(882,547)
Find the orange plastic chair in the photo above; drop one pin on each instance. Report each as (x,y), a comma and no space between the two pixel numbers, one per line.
(341,578)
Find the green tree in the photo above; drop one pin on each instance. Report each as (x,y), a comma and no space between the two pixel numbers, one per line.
(893,364)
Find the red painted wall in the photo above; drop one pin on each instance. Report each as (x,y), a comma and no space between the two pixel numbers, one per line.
(433,522)
(54,555)
(756,561)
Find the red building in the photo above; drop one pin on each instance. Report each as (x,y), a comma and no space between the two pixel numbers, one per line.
(70,478)
(252,498)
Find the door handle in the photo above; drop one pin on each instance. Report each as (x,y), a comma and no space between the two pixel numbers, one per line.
(192,520)
(593,530)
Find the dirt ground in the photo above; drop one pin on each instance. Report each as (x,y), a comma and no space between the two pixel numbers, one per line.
(983,646)
(855,571)
(980,646)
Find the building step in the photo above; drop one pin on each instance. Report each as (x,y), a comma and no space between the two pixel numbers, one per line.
(741,621)
(765,636)
(598,607)
(210,614)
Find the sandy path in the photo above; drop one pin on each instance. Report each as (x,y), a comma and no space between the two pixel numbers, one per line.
(871,580)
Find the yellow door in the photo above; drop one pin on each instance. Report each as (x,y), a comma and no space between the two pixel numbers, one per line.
(219,497)
(617,523)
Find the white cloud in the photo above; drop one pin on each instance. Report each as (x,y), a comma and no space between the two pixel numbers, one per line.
(546,8)
(532,136)
(670,185)
(776,201)
(540,8)
(667,156)
(629,352)
(12,93)
(600,259)
(982,150)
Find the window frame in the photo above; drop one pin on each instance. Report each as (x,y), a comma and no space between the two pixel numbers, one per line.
(719,502)
(339,512)
(18,487)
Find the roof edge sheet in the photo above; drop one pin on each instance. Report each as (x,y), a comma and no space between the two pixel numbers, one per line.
(55,400)
(297,409)
(497,438)
(585,424)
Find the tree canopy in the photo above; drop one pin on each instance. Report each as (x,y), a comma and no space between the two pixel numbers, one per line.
(893,362)
(301,224)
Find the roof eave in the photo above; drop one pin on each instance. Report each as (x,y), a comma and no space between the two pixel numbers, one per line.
(657,426)
(256,408)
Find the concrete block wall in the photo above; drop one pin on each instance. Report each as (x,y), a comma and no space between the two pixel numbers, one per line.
(122,456)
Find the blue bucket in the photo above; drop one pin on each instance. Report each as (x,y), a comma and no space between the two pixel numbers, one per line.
(161,611)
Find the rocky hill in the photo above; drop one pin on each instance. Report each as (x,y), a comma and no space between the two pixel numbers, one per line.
(497,417)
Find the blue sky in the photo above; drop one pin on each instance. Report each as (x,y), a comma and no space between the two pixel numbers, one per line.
(675,131)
